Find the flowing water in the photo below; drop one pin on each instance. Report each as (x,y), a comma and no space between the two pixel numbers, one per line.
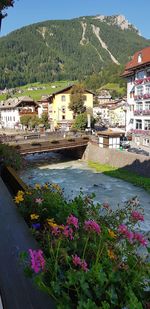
(76,176)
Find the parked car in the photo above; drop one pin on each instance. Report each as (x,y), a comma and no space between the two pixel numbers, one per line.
(124,142)
(139,151)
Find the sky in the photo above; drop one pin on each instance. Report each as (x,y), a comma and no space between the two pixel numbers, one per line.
(27,12)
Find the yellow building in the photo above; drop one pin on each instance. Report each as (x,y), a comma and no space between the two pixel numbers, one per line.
(59,113)
(117,115)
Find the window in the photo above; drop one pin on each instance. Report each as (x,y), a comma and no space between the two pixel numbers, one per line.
(148,73)
(147,89)
(146,141)
(85,97)
(140,90)
(138,124)
(10,118)
(140,75)
(139,58)
(147,125)
(147,105)
(139,106)
(63,98)
(63,109)
(63,117)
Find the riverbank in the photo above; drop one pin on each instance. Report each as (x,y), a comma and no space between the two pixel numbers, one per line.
(121,173)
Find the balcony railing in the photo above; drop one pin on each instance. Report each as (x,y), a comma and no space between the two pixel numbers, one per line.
(141,112)
(142,96)
(141,132)
(28,112)
(142,80)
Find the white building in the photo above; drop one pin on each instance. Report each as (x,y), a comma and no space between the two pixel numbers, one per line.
(12,109)
(137,73)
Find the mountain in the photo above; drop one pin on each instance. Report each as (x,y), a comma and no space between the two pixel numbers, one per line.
(66,49)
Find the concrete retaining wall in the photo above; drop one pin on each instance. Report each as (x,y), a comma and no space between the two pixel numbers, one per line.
(117,158)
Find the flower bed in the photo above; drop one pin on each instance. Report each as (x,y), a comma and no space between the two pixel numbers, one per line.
(89,255)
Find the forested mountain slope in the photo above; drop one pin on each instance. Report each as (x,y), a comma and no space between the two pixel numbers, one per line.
(66,49)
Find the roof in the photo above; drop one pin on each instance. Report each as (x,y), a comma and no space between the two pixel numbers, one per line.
(110,133)
(68,88)
(14,102)
(144,55)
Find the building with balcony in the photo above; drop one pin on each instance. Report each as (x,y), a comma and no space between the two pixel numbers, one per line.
(137,74)
(12,109)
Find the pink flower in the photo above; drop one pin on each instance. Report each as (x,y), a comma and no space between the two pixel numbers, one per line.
(37,260)
(92,226)
(122,228)
(129,235)
(68,232)
(39,200)
(84,265)
(76,260)
(55,230)
(139,237)
(73,220)
(137,215)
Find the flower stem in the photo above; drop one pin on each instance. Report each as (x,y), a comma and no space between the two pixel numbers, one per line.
(87,239)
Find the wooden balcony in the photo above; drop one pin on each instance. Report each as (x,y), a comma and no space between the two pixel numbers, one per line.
(28,112)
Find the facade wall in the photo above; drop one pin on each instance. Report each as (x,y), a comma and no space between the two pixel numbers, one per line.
(9,118)
(132,162)
(60,107)
(139,102)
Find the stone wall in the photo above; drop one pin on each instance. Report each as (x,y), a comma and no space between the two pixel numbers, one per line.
(117,158)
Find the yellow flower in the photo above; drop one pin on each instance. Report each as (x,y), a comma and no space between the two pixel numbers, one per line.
(20,193)
(45,186)
(34,216)
(37,186)
(28,192)
(18,199)
(50,221)
(111,254)
(111,234)
(56,187)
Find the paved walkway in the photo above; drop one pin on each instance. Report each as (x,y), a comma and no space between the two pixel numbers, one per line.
(17,291)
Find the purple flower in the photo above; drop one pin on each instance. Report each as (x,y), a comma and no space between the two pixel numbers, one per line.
(37,260)
(73,220)
(36,226)
(92,226)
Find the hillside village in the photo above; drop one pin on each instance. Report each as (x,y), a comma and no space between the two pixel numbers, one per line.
(131,114)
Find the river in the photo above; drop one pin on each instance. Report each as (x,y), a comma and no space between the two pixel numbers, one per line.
(76,176)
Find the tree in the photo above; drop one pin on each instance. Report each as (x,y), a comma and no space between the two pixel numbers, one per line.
(25,119)
(77,99)
(4,4)
(44,120)
(80,122)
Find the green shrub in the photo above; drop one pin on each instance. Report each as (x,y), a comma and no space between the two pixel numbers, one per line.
(10,156)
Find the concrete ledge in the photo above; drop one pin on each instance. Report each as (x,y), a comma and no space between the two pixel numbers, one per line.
(17,291)
(12,180)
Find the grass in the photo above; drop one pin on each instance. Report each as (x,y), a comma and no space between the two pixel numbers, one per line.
(123,174)
(37,94)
